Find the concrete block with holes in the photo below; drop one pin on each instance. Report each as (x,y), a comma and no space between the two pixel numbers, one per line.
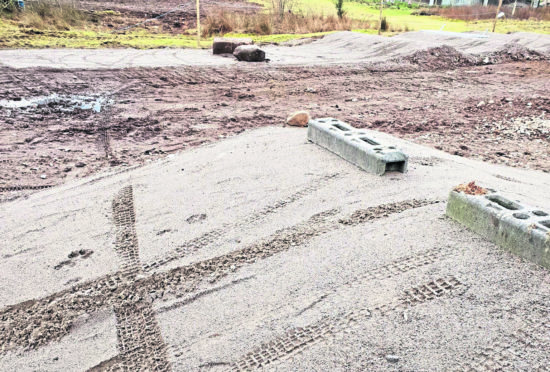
(224,45)
(516,227)
(356,146)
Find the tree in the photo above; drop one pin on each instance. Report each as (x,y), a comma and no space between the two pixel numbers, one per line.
(282,6)
(340,8)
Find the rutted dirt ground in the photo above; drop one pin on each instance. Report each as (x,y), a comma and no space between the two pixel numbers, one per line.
(497,113)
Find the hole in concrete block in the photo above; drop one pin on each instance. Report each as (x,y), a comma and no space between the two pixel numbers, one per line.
(370,142)
(396,166)
(392,147)
(503,202)
(521,216)
(490,205)
(341,127)
(347,134)
(540,213)
(546,224)
(362,133)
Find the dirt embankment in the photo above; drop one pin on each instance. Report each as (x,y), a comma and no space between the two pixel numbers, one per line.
(496,113)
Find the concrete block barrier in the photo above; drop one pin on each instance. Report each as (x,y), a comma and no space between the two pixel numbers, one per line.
(223,45)
(355,146)
(514,226)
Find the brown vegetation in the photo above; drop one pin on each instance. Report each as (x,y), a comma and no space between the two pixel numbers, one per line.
(471,189)
(222,22)
(470,13)
(49,14)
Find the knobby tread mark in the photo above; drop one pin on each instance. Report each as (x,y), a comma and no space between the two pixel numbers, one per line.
(16,321)
(140,341)
(298,339)
(126,245)
(394,268)
(24,187)
(105,140)
(212,236)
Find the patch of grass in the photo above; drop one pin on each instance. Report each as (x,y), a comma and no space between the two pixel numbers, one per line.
(12,36)
(278,38)
(478,12)
(402,17)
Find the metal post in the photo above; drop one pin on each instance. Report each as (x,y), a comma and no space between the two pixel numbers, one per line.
(496,17)
(380,25)
(198,23)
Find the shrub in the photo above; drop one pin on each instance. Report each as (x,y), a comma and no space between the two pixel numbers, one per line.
(384,24)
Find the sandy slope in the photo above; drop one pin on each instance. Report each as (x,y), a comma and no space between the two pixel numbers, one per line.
(227,248)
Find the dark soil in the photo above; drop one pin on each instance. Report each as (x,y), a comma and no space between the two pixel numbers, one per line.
(182,16)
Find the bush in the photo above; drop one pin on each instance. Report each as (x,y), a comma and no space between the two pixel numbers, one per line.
(384,25)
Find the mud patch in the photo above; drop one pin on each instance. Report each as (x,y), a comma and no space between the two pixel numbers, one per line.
(62,103)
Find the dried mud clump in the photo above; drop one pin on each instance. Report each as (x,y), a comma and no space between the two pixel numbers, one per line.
(471,189)
(440,57)
(513,52)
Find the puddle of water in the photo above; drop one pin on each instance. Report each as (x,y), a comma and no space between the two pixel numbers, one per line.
(69,103)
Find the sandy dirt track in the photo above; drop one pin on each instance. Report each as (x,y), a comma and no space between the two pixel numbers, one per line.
(264,249)
(337,48)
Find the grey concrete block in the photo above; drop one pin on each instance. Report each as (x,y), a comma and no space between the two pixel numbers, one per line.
(355,146)
(516,227)
(224,45)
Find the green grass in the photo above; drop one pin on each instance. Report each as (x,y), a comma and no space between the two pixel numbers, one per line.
(13,36)
(403,19)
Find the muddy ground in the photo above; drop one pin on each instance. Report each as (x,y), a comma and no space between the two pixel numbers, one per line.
(496,113)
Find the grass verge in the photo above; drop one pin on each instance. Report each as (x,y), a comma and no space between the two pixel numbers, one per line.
(402,18)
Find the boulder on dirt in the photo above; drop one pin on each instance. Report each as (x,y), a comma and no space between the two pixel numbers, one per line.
(223,45)
(299,119)
(249,53)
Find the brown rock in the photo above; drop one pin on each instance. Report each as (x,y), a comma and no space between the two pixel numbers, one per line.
(299,119)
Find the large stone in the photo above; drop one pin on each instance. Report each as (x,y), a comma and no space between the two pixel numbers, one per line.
(224,45)
(249,53)
(357,146)
(514,226)
(299,119)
